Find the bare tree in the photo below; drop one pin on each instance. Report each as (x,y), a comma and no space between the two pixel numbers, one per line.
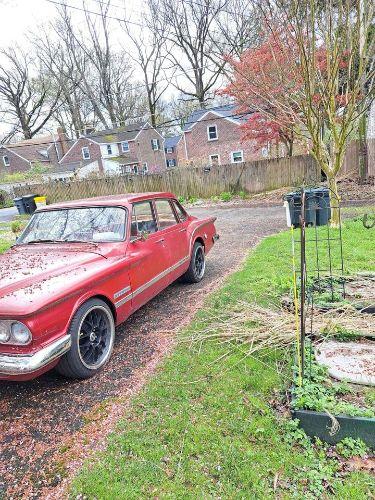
(26,95)
(190,24)
(237,28)
(103,74)
(55,59)
(149,51)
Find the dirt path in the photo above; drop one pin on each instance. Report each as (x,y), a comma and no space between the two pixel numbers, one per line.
(38,418)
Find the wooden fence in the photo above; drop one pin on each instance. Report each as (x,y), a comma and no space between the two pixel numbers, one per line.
(251,177)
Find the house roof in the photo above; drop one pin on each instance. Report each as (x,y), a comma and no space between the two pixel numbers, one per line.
(35,149)
(171,142)
(126,133)
(32,149)
(228,111)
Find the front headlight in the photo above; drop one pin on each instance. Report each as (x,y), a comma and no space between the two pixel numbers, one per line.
(14,332)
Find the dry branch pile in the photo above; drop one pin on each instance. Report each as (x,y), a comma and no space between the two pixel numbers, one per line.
(261,328)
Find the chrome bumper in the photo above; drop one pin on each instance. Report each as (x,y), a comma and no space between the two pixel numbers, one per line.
(21,364)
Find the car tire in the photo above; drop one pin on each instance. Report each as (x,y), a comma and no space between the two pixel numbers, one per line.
(197,266)
(92,331)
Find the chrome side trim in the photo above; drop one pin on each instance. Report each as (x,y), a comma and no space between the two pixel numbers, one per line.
(151,282)
(123,301)
(20,364)
(121,292)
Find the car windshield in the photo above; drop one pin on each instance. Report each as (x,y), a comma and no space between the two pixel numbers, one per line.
(93,224)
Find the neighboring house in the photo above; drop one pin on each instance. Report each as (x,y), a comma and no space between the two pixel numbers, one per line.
(170,148)
(44,150)
(213,137)
(137,148)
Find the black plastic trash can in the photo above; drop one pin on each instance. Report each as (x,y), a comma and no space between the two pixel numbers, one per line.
(317,207)
(20,205)
(323,214)
(29,202)
(294,202)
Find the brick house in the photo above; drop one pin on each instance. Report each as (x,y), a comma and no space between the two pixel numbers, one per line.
(136,148)
(43,150)
(170,148)
(213,137)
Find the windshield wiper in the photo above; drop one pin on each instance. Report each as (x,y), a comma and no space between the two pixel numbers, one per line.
(41,240)
(80,241)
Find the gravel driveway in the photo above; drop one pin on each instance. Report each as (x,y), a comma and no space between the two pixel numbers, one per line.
(38,418)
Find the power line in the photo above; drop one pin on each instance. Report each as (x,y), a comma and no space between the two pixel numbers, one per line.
(121,20)
(164,125)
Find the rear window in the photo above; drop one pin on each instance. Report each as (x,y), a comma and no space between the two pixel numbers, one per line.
(166,215)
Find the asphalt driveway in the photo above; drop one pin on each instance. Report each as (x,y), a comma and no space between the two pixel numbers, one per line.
(38,418)
(8,214)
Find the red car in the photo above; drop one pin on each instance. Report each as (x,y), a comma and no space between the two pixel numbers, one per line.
(82,267)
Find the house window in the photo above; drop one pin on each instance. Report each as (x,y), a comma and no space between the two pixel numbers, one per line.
(125,169)
(214,159)
(125,147)
(266,150)
(212,132)
(85,153)
(135,169)
(109,149)
(171,162)
(155,144)
(145,168)
(169,150)
(237,156)
(6,161)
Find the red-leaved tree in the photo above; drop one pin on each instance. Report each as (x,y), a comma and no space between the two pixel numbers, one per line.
(312,73)
(264,83)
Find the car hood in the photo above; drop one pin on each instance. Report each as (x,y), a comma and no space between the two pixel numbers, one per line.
(31,274)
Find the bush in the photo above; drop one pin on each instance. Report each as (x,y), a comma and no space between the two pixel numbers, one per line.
(18,225)
(225,196)
(5,199)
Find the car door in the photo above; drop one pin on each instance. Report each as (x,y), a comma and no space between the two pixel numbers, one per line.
(148,255)
(173,230)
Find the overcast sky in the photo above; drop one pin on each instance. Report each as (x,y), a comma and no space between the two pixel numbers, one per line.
(20,16)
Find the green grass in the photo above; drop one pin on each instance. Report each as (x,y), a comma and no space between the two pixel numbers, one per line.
(7,238)
(204,427)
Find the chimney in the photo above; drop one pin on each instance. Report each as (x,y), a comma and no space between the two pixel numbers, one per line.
(89,129)
(63,140)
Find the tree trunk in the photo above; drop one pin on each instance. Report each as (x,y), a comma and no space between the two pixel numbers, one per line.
(335,200)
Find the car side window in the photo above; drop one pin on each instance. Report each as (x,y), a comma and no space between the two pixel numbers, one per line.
(143,218)
(165,213)
(182,215)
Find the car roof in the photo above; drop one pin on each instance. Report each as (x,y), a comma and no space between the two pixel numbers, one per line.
(118,200)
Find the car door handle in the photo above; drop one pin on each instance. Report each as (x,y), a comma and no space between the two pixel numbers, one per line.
(183,230)
(160,241)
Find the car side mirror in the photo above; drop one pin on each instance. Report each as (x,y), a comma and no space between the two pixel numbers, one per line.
(140,236)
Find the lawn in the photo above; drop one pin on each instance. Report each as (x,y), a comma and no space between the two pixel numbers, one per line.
(207,426)
(7,238)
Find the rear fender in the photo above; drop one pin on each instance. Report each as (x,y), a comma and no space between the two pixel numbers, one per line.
(203,230)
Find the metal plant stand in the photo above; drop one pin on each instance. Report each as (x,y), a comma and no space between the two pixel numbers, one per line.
(318,249)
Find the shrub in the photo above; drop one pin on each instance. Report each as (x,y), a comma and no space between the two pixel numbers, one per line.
(18,225)
(226,196)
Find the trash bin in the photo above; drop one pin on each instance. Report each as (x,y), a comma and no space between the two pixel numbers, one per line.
(317,207)
(323,214)
(29,202)
(20,205)
(294,201)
